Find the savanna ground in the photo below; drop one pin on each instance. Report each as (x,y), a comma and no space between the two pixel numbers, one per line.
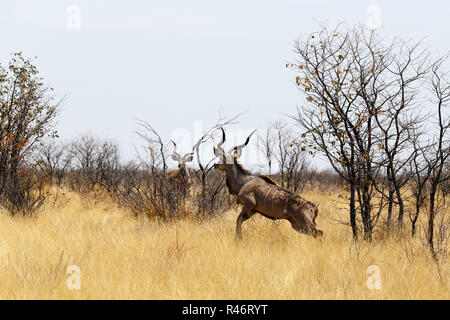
(123,257)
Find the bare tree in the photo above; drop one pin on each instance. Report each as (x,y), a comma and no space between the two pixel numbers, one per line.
(420,172)
(280,144)
(108,163)
(92,160)
(282,140)
(52,158)
(361,95)
(154,140)
(440,87)
(266,145)
(297,168)
(363,113)
(397,96)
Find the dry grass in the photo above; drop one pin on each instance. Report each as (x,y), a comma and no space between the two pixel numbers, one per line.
(121,257)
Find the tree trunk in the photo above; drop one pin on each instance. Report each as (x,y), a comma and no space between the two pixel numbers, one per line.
(414,220)
(401,207)
(366,214)
(353,211)
(431,219)
(390,207)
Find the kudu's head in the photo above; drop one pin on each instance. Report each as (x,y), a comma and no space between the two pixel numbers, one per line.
(182,160)
(228,158)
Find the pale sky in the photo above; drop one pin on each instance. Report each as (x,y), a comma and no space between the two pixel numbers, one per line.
(175,62)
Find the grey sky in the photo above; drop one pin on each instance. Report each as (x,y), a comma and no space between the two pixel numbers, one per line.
(174,62)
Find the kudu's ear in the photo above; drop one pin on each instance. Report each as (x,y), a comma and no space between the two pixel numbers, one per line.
(175,158)
(217,152)
(188,158)
(237,151)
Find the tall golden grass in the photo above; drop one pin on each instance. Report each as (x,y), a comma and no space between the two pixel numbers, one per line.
(123,257)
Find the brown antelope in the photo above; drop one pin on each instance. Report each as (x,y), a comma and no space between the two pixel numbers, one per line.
(180,178)
(260,194)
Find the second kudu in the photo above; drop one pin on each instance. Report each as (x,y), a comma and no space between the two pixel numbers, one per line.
(180,178)
(260,194)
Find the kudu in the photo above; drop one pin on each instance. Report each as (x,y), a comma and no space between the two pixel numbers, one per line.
(180,178)
(260,194)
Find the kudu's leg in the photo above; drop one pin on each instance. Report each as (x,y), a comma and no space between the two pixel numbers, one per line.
(246,213)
